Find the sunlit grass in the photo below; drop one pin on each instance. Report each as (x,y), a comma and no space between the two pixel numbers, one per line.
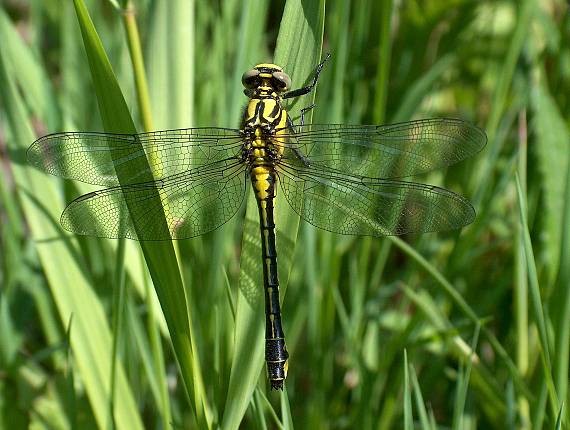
(457,330)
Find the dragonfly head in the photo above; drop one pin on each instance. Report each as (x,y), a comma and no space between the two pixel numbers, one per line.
(265,78)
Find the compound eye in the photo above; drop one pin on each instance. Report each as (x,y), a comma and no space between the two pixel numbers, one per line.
(250,78)
(281,80)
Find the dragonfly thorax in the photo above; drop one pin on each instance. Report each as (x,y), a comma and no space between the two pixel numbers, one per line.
(264,121)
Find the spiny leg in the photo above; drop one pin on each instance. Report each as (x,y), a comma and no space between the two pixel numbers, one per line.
(291,127)
(308,88)
(305,109)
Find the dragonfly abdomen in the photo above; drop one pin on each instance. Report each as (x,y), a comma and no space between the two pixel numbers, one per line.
(264,180)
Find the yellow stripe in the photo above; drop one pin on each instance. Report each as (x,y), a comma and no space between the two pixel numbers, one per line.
(251,106)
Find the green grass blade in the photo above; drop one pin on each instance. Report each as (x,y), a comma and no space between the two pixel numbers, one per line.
(408,417)
(552,155)
(159,256)
(521,282)
(39,94)
(450,290)
(558,425)
(536,302)
(170,61)
(90,335)
(418,90)
(385,53)
(420,404)
(298,50)
(562,318)
(525,13)
(133,39)
(463,385)
(286,417)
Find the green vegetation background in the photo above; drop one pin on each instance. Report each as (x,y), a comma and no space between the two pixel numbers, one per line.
(458,330)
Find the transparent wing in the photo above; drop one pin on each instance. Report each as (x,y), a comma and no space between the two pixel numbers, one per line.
(371,207)
(193,203)
(92,157)
(384,151)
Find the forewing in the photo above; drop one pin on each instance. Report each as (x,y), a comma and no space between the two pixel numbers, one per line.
(93,157)
(193,203)
(372,207)
(385,151)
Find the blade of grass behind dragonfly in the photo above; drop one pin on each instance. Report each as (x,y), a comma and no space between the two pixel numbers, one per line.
(520,290)
(559,418)
(463,380)
(419,400)
(286,418)
(298,51)
(562,318)
(170,63)
(90,335)
(500,96)
(553,154)
(385,54)
(552,157)
(136,268)
(159,256)
(454,295)
(408,417)
(152,357)
(536,301)
(39,92)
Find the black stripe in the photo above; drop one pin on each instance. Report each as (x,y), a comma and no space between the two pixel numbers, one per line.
(259,108)
(275,110)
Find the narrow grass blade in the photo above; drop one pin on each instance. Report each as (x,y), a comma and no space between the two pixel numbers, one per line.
(450,290)
(552,152)
(160,256)
(133,39)
(521,282)
(463,386)
(297,51)
(384,56)
(39,92)
(286,417)
(408,417)
(420,88)
(420,404)
(90,334)
(536,302)
(562,318)
(558,425)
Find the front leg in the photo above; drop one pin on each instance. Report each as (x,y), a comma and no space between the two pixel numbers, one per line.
(305,109)
(308,88)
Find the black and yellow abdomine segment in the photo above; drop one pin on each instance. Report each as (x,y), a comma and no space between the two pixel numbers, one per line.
(263,121)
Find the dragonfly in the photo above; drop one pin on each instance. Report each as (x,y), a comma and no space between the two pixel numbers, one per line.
(345,179)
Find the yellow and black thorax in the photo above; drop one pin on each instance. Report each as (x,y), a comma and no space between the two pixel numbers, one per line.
(264,118)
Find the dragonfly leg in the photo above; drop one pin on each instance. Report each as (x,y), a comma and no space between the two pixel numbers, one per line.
(308,88)
(291,127)
(305,109)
